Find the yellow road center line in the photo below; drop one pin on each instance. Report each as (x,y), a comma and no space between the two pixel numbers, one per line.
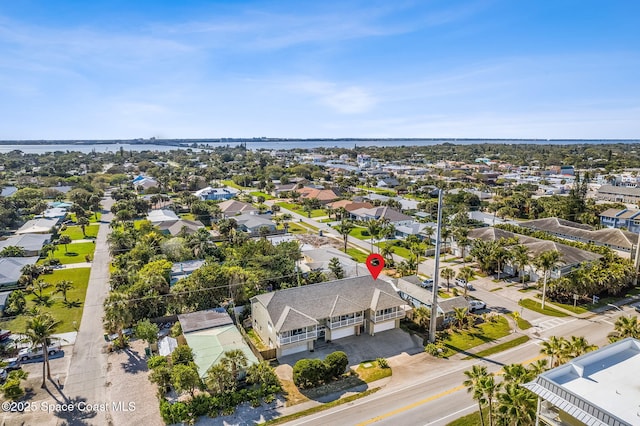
(410,406)
(434,397)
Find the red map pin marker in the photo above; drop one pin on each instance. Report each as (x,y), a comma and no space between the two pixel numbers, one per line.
(375,264)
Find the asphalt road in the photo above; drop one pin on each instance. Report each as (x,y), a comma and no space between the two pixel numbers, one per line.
(86,380)
(436,396)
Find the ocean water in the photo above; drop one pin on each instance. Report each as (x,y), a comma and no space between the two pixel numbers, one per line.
(284,144)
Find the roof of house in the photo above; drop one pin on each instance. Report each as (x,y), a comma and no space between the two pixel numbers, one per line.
(29,242)
(227,190)
(382,212)
(448,305)
(162,215)
(7,191)
(570,255)
(320,194)
(318,301)
(350,205)
(412,286)
(37,226)
(174,228)
(621,190)
(234,206)
(596,388)
(252,221)
(608,236)
(209,346)
(55,212)
(201,320)
(11,268)
(611,212)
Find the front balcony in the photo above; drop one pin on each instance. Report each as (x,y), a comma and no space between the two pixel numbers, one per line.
(387,316)
(309,335)
(345,322)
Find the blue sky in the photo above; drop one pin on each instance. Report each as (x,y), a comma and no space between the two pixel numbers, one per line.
(396,68)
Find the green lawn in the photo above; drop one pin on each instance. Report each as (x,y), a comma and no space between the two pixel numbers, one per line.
(360,233)
(92,218)
(80,279)
(522,323)
(537,307)
(500,347)
(472,419)
(576,310)
(487,332)
(381,191)
(188,216)
(75,232)
(357,255)
(373,372)
(232,184)
(262,194)
(298,209)
(295,228)
(75,254)
(399,250)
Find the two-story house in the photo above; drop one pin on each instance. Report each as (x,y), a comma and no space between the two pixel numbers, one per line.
(293,319)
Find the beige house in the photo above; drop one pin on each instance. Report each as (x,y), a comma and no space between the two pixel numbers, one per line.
(293,319)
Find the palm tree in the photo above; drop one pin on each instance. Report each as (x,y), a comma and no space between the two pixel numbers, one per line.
(83,222)
(66,240)
(460,314)
(374,227)
(578,345)
(37,289)
(516,373)
(344,228)
(63,287)
(554,348)
(538,367)
(466,274)
(447,274)
(520,256)
(117,312)
(12,251)
(517,405)
(625,326)
(31,273)
(474,377)
(286,217)
(421,316)
(489,389)
(387,253)
(500,255)
(547,261)
(38,332)
(235,360)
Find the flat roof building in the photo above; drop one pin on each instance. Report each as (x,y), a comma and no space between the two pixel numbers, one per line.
(600,388)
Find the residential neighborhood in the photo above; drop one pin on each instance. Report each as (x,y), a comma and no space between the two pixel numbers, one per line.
(239,293)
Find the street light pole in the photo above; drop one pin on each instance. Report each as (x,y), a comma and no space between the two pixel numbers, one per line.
(436,274)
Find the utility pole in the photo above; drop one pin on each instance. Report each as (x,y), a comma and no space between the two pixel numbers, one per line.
(436,274)
(637,261)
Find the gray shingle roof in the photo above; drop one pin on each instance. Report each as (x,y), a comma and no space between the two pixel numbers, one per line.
(11,268)
(317,301)
(201,320)
(622,190)
(29,242)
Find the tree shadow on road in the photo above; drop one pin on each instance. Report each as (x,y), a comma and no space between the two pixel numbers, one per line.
(135,364)
(80,415)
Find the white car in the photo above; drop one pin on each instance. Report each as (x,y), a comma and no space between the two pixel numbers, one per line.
(475,305)
(30,353)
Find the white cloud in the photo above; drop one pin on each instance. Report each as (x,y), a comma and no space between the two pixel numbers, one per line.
(343,99)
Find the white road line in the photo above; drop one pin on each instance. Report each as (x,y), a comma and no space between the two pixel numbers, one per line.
(453,414)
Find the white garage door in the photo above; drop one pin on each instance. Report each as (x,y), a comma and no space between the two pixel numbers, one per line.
(342,332)
(294,349)
(389,325)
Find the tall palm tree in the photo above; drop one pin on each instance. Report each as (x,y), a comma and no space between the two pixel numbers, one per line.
(39,329)
(474,377)
(421,316)
(520,257)
(489,388)
(554,348)
(447,274)
(344,228)
(63,287)
(83,222)
(517,405)
(538,367)
(546,262)
(375,228)
(387,253)
(516,373)
(460,314)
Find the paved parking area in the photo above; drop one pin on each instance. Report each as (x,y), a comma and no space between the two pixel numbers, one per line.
(364,347)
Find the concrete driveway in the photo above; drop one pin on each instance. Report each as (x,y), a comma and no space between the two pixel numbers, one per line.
(386,344)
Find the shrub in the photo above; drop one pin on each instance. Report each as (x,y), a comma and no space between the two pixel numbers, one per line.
(156,361)
(12,389)
(182,355)
(336,363)
(382,363)
(174,413)
(435,349)
(200,405)
(176,329)
(308,373)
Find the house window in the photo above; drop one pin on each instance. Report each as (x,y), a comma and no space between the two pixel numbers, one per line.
(386,311)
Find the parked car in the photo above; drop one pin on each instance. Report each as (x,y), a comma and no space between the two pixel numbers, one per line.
(30,353)
(475,305)
(427,283)
(3,375)
(4,334)
(462,283)
(11,364)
